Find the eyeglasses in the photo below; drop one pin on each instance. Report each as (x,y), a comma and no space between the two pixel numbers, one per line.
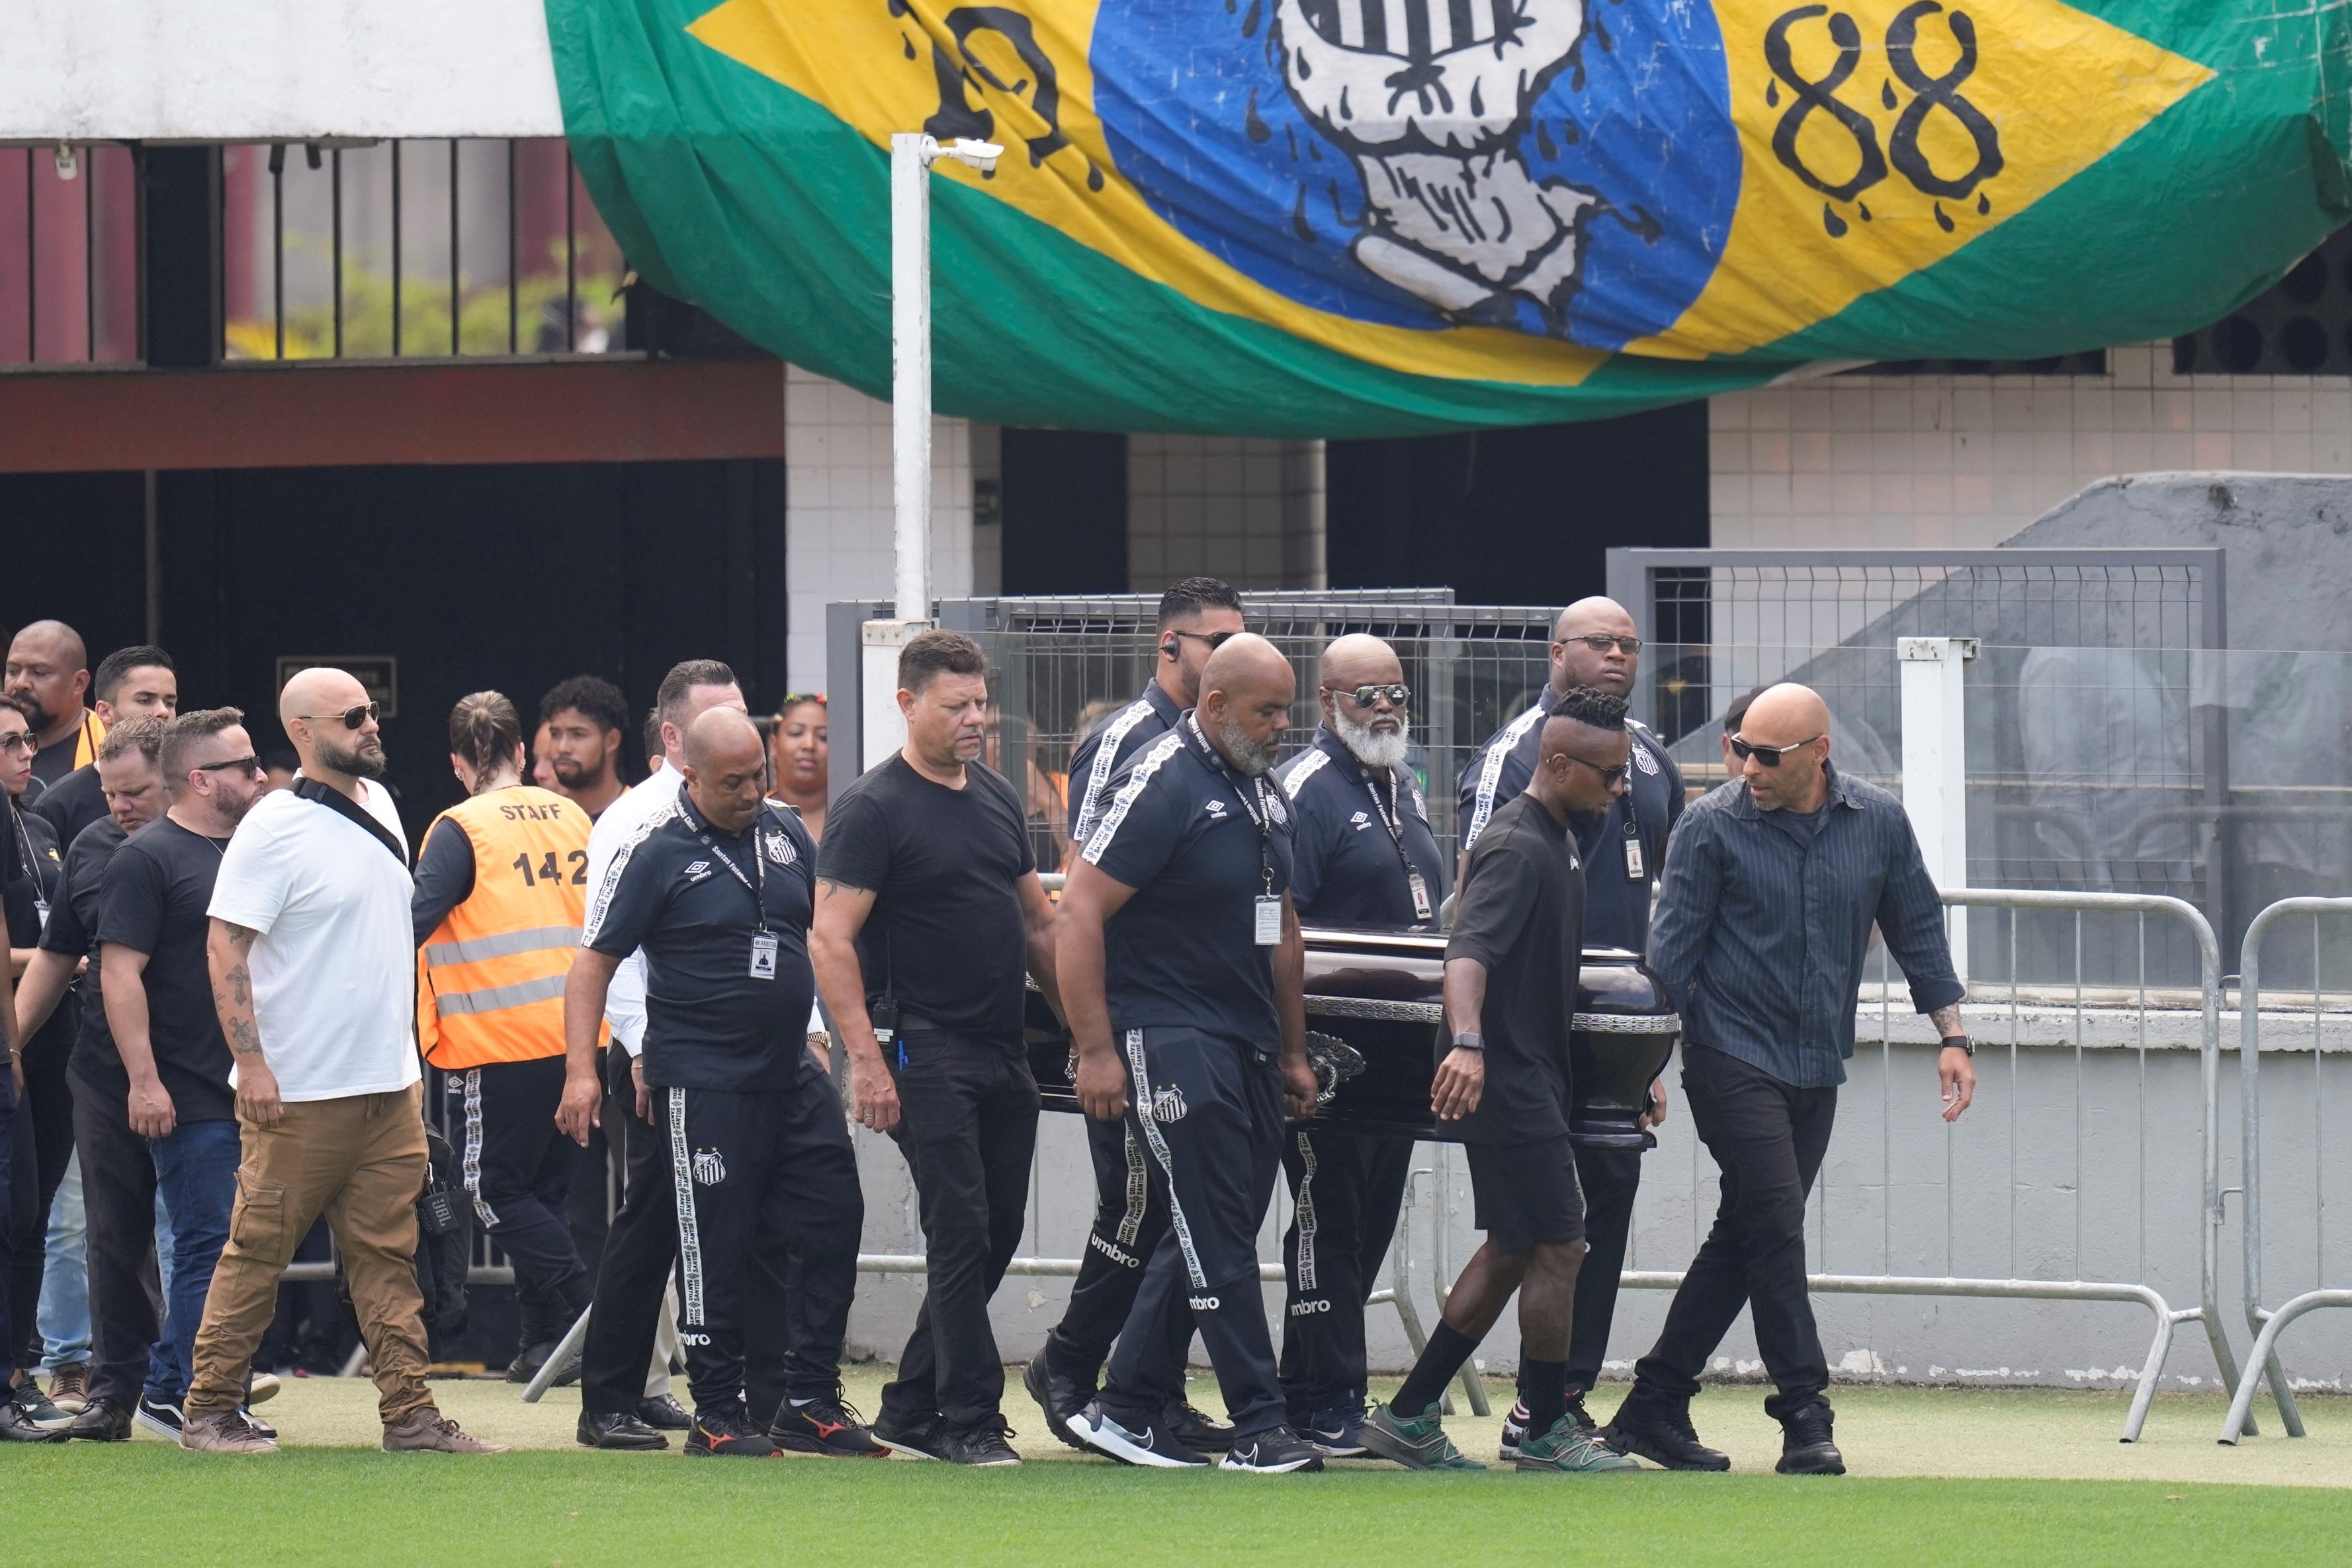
(1398,695)
(1608,776)
(1214,639)
(246,765)
(353,716)
(1602,642)
(19,741)
(1769,755)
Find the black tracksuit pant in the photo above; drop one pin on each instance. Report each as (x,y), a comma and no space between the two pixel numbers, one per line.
(967,1125)
(118,1195)
(517,1168)
(42,1148)
(758,1177)
(1609,1178)
(1768,1138)
(1347,1188)
(1130,1220)
(640,1256)
(1209,1110)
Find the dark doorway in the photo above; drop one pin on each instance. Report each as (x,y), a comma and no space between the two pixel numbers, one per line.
(1065,512)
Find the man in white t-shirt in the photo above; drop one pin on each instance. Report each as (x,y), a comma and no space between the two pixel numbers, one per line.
(313,975)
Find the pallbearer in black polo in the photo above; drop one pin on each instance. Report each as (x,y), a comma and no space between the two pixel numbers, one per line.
(1181,970)
(1365,858)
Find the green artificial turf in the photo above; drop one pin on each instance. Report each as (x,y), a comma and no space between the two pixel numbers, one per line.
(146,1502)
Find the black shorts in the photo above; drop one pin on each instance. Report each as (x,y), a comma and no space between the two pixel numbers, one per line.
(1527,1193)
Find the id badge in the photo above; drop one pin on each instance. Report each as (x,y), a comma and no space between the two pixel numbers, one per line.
(1634,870)
(1421,906)
(763,956)
(1269,922)
(41,908)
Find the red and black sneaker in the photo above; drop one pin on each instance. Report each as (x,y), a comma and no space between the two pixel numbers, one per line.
(726,1431)
(825,1426)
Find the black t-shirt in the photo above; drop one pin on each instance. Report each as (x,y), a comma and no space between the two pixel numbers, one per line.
(709,1023)
(32,875)
(73,803)
(1177,827)
(1801,826)
(1355,833)
(53,762)
(1521,914)
(73,930)
(153,899)
(945,937)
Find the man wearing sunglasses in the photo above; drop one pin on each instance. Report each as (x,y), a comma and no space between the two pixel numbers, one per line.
(1763,920)
(1621,846)
(1363,857)
(1196,617)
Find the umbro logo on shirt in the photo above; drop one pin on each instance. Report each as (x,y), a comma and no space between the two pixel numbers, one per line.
(1362,820)
(1217,810)
(696,872)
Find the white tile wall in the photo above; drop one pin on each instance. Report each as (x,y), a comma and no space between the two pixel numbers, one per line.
(1964,462)
(1247,510)
(837,542)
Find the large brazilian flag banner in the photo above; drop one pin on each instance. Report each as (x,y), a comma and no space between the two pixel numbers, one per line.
(1354,217)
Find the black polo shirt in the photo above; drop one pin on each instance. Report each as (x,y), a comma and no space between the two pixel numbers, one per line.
(1114,743)
(1619,866)
(1199,844)
(73,932)
(1521,915)
(709,1023)
(1354,831)
(153,899)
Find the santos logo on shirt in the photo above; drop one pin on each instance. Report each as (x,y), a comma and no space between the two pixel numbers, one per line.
(779,849)
(1643,761)
(709,1167)
(1168,1104)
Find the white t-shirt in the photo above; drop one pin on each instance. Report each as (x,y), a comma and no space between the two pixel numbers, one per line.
(623,822)
(334,970)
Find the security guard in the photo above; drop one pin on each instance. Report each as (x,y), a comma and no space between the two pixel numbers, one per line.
(500,891)
(717,890)
(1177,940)
(1196,615)
(1593,644)
(1365,858)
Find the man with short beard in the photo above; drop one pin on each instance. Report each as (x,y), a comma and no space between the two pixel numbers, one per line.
(1366,858)
(581,723)
(312,967)
(1182,974)
(48,666)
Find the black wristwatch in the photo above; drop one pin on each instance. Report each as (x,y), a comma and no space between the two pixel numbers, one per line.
(1469,1040)
(1959,1042)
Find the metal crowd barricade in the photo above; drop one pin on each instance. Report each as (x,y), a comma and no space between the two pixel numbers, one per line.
(2269,1324)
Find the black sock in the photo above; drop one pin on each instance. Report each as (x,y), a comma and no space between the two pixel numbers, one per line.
(1440,1360)
(1543,1387)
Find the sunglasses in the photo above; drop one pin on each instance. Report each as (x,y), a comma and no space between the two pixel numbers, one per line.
(1769,755)
(19,741)
(1214,639)
(1398,695)
(1608,776)
(353,716)
(1602,642)
(246,765)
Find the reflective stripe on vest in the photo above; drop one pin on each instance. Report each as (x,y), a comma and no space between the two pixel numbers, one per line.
(490,980)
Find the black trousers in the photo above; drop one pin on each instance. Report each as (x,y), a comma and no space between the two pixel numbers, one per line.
(640,1256)
(517,1168)
(588,1206)
(41,1150)
(1767,1137)
(758,1176)
(1209,1109)
(1131,1221)
(118,1195)
(1609,1178)
(1347,1188)
(967,1125)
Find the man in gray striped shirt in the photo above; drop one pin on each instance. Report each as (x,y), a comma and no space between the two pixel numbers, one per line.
(1770,889)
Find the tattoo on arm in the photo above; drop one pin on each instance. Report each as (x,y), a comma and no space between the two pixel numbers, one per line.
(242,1038)
(1947,1021)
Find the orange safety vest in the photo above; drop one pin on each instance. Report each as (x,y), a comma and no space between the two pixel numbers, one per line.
(490,980)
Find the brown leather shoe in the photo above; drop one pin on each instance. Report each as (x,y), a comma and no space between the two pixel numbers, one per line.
(424,1432)
(223,1432)
(69,1387)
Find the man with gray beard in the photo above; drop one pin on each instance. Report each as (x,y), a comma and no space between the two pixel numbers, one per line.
(1363,857)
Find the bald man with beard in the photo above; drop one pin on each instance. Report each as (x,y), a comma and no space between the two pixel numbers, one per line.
(1181,973)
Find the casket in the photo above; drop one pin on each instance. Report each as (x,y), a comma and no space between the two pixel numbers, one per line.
(1376,1032)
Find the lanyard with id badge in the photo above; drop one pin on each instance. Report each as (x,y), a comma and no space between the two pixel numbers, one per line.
(764,943)
(1266,908)
(1394,820)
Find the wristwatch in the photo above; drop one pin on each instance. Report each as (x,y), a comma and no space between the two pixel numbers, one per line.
(1959,1042)
(1469,1040)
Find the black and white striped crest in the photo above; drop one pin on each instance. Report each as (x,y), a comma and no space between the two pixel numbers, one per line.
(1409,30)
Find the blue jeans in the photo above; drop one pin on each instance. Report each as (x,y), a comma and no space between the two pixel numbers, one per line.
(65,1277)
(195,1182)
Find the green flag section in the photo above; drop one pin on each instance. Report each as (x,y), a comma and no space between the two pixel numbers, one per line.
(1362,218)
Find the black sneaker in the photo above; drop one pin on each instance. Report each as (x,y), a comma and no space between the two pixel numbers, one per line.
(102,1421)
(37,1407)
(825,1426)
(1153,1447)
(161,1417)
(664,1414)
(916,1439)
(725,1431)
(1275,1453)
(982,1444)
(1337,1433)
(1194,1429)
(623,1432)
(529,1359)
(1805,1446)
(1662,1436)
(1059,1397)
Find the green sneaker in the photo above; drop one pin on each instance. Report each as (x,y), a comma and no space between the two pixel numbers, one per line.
(1578,1450)
(1418,1442)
